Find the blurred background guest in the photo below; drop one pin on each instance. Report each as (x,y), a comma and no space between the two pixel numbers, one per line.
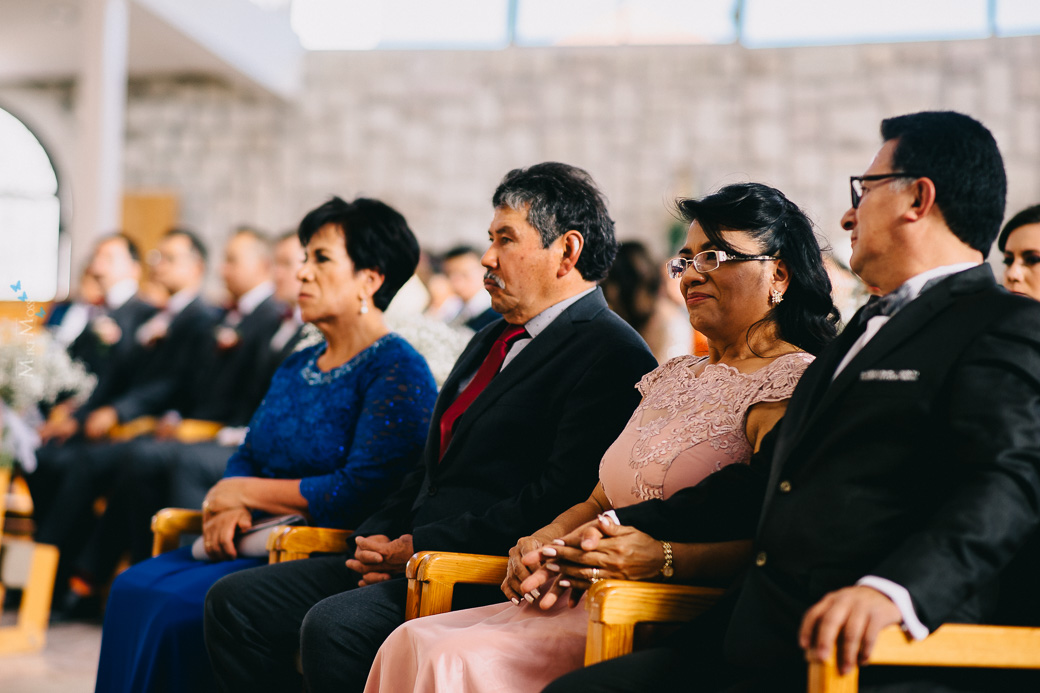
(156,374)
(466,276)
(189,450)
(639,289)
(444,303)
(1020,242)
(67,320)
(341,424)
(103,344)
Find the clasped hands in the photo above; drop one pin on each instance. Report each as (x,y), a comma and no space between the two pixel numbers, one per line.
(378,558)
(541,571)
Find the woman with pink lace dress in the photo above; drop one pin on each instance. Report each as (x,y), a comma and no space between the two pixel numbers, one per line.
(754,283)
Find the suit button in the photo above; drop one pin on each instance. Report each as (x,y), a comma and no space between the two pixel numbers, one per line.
(760,559)
(432,491)
(785,487)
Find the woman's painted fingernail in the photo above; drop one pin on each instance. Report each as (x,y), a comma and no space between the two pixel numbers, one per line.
(552,566)
(559,542)
(516,602)
(535,593)
(547,551)
(565,583)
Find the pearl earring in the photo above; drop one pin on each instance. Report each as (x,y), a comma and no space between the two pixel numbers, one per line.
(364,305)
(775,297)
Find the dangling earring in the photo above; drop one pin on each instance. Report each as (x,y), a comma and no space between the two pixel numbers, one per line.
(775,297)
(364,305)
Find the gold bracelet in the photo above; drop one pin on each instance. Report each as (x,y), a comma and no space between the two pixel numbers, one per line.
(666,570)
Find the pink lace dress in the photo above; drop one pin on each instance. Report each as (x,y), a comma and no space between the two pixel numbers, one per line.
(690,423)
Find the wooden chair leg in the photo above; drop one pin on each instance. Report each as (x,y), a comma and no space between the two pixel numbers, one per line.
(824,677)
(605,641)
(436,597)
(30,633)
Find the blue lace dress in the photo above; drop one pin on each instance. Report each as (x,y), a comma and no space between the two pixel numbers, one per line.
(350,435)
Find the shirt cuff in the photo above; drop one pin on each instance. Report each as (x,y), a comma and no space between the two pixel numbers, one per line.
(901,598)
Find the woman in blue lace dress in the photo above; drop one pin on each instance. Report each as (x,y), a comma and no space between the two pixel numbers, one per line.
(339,427)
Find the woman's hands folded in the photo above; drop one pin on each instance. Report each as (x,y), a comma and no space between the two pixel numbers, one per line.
(597,550)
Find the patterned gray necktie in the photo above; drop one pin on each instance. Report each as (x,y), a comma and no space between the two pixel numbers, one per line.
(892,302)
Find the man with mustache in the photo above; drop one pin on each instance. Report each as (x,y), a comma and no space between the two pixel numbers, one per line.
(516,437)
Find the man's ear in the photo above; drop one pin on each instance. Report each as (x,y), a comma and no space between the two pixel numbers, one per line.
(571,245)
(923,192)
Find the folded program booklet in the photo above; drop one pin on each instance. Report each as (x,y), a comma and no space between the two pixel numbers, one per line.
(251,543)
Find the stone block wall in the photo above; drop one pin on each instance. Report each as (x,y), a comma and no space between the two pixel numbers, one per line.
(432,132)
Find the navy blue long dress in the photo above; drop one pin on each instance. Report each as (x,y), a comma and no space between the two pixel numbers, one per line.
(350,435)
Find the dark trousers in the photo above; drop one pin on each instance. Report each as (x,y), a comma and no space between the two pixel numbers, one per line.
(144,476)
(139,488)
(256,620)
(67,481)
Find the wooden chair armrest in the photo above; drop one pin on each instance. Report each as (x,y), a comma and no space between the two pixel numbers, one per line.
(432,576)
(951,645)
(616,606)
(293,542)
(133,428)
(169,524)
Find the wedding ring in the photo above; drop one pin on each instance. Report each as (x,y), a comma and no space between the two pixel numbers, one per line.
(595,575)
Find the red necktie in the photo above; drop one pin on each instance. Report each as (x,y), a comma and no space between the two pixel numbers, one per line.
(488,370)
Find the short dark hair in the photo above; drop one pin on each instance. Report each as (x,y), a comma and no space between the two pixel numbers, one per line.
(459,251)
(1029,215)
(632,285)
(377,238)
(807,316)
(197,246)
(131,247)
(560,198)
(959,155)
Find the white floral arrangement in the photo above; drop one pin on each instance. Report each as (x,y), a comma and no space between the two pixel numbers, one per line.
(35,369)
(436,341)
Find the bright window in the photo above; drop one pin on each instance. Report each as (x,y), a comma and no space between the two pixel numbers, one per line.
(490,24)
(28,215)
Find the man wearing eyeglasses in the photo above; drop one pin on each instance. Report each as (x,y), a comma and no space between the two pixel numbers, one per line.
(905,475)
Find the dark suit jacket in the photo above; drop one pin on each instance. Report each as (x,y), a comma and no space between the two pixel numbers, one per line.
(920,463)
(529,446)
(482,320)
(161,374)
(229,383)
(109,362)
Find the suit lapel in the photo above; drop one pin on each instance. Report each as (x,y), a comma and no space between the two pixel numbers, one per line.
(903,326)
(533,356)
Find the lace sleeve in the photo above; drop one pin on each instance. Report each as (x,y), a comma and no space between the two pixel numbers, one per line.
(776,382)
(651,379)
(387,442)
